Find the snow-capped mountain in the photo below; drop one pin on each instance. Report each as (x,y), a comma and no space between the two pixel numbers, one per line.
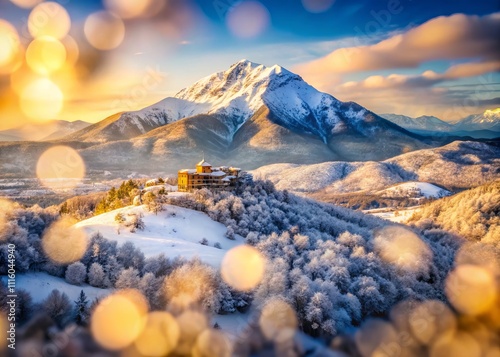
(489,120)
(424,123)
(236,95)
(253,115)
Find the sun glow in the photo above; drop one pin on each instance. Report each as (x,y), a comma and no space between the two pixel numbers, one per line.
(45,55)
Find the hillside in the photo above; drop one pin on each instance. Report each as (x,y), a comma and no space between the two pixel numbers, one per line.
(455,166)
(473,214)
(174,232)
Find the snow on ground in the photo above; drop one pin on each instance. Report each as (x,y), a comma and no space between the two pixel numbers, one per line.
(393,215)
(175,232)
(419,189)
(40,285)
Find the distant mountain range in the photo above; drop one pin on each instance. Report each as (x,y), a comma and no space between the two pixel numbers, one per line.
(459,165)
(50,130)
(249,115)
(484,125)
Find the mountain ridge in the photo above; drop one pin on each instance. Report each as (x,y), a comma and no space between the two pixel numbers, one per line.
(483,125)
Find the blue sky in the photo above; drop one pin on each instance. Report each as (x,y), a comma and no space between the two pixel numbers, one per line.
(187,42)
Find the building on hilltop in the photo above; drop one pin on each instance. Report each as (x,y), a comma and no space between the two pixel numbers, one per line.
(206,176)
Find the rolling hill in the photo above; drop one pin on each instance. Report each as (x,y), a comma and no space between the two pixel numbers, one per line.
(455,166)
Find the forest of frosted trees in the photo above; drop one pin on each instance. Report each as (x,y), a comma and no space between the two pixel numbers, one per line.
(330,264)
(473,214)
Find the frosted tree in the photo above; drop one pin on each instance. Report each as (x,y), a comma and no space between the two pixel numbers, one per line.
(229,233)
(128,278)
(96,276)
(158,265)
(76,273)
(130,256)
(81,309)
(58,306)
(151,288)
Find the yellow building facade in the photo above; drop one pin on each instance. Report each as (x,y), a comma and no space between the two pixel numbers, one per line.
(206,176)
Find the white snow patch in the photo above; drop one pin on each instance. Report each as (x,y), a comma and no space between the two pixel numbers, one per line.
(418,189)
(175,232)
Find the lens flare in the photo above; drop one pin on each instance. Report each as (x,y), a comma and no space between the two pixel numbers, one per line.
(49,19)
(118,320)
(211,343)
(41,99)
(248,19)
(374,337)
(430,320)
(60,167)
(243,267)
(460,344)
(276,317)
(45,55)
(104,30)
(10,48)
(471,289)
(127,9)
(63,243)
(403,248)
(160,335)
(27,4)
(191,324)
(317,6)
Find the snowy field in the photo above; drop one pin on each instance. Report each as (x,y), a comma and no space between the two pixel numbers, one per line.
(396,216)
(419,189)
(175,232)
(40,285)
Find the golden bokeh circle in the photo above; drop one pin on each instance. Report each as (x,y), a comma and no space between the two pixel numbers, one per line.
(63,243)
(160,335)
(276,317)
(49,19)
(41,99)
(117,321)
(10,48)
(26,4)
(243,267)
(45,55)
(60,167)
(104,30)
(471,289)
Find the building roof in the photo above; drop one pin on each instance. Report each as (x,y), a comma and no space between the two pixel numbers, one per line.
(203,163)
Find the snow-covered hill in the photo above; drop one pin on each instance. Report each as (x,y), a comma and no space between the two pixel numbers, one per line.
(414,189)
(175,232)
(459,164)
(41,284)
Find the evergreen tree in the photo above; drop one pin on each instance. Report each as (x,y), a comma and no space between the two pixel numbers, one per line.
(81,309)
